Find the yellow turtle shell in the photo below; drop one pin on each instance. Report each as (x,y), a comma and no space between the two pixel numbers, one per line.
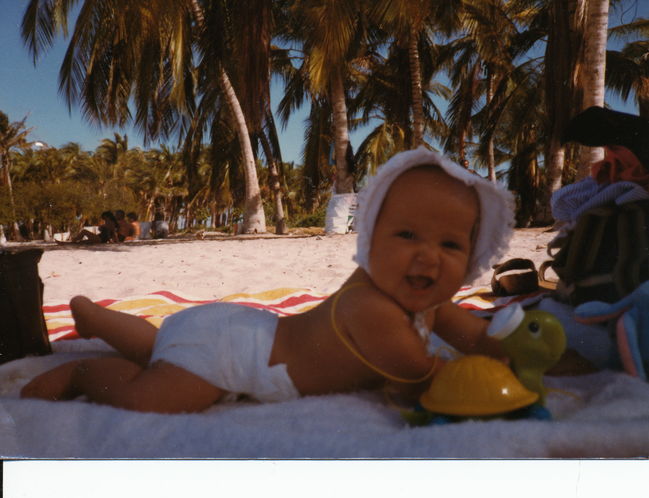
(476,385)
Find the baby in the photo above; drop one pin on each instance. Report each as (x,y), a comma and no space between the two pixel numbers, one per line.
(425,227)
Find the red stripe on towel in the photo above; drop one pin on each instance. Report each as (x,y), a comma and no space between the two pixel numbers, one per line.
(55,308)
(296,300)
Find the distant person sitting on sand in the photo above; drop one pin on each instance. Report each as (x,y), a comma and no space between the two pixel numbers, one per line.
(107,231)
(159,227)
(124,228)
(426,226)
(132,219)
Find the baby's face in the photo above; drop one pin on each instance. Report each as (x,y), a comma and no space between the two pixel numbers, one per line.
(421,243)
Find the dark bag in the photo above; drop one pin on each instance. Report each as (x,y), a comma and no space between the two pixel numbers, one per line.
(22,324)
(605,257)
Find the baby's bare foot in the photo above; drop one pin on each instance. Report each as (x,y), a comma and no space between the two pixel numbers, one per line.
(83,310)
(54,385)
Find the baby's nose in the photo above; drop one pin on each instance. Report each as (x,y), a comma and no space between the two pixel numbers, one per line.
(427,256)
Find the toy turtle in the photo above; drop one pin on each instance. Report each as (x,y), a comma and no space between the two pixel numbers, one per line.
(479,386)
(534,347)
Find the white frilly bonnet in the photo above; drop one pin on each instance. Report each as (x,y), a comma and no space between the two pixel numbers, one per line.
(496,218)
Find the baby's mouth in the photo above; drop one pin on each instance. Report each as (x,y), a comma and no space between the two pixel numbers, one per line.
(419,282)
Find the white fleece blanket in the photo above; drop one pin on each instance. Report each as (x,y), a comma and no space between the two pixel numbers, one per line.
(606,416)
(603,415)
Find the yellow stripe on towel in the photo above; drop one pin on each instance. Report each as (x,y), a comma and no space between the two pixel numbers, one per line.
(156,320)
(269,295)
(137,303)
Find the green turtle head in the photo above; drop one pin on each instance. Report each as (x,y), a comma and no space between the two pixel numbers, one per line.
(538,342)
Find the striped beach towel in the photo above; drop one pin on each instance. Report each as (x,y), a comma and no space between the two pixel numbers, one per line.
(483,302)
(156,306)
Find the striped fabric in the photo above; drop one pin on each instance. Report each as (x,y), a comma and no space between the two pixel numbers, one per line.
(483,302)
(157,305)
(285,301)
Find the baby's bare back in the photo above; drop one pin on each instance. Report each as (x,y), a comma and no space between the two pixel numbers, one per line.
(317,359)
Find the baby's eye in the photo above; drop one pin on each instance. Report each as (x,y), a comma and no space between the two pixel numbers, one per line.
(406,234)
(451,244)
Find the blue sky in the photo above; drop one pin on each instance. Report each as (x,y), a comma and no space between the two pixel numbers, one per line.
(32,91)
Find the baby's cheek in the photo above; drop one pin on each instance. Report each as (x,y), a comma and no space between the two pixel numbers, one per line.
(459,267)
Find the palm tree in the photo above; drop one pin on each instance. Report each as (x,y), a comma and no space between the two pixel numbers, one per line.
(47,165)
(594,70)
(75,158)
(562,97)
(465,75)
(254,219)
(517,124)
(167,185)
(269,141)
(316,154)
(492,27)
(407,20)
(628,69)
(112,150)
(12,136)
(331,34)
(482,65)
(253,52)
(145,51)
(317,134)
(380,96)
(216,36)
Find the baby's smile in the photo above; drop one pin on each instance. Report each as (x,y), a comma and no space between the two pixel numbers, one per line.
(419,282)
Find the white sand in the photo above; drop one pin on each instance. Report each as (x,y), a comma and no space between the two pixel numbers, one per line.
(216,268)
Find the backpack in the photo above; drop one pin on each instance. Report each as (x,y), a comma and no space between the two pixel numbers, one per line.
(22,324)
(606,255)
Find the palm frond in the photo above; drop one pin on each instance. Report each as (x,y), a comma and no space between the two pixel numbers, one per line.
(42,21)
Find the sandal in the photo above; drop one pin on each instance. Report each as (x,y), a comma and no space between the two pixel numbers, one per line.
(515,276)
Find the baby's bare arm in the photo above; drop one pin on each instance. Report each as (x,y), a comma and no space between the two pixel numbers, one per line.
(465,332)
(386,337)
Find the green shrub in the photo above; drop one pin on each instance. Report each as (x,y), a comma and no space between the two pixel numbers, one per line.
(316,219)
(60,204)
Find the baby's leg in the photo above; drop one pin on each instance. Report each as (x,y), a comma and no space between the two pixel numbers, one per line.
(131,335)
(163,388)
(53,385)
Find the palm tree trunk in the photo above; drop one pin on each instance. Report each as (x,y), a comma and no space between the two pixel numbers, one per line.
(254,220)
(491,160)
(491,156)
(416,90)
(464,120)
(5,163)
(150,209)
(554,161)
(275,187)
(596,36)
(344,183)
(461,148)
(280,219)
(561,69)
(214,216)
